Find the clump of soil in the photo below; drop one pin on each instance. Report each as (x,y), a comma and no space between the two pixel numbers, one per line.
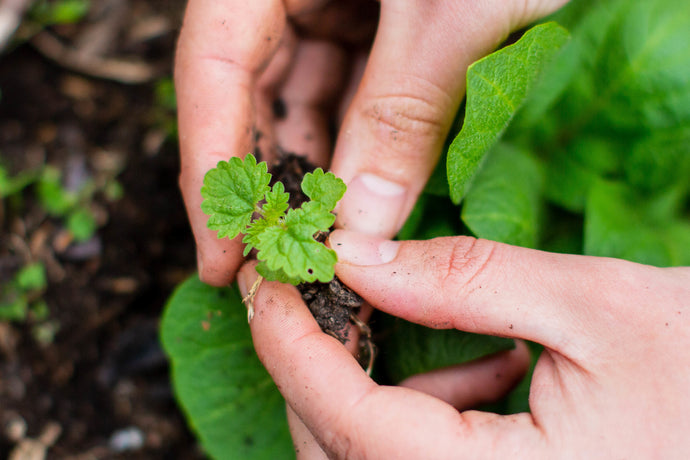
(333,304)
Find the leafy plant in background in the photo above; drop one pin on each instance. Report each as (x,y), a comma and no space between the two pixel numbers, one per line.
(21,298)
(578,145)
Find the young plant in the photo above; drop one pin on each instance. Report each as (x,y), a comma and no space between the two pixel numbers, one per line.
(238,199)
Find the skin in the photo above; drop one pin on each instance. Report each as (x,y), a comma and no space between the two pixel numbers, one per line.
(611,383)
(383,77)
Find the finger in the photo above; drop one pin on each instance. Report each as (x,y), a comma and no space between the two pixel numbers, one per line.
(561,301)
(349,415)
(306,446)
(467,385)
(395,128)
(396,125)
(308,95)
(223,47)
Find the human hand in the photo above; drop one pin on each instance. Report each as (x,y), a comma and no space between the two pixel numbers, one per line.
(235,58)
(611,383)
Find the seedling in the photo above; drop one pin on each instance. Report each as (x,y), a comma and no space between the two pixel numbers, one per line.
(239,199)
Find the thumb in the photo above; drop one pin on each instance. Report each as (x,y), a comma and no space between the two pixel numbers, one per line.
(393,131)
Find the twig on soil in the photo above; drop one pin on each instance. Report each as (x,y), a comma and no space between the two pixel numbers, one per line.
(11,14)
(120,70)
(249,298)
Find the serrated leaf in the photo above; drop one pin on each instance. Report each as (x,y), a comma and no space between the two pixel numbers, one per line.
(229,399)
(323,188)
(276,203)
(293,250)
(231,193)
(273,210)
(412,349)
(497,85)
(504,203)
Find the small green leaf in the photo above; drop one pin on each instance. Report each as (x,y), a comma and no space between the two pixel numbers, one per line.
(32,277)
(497,85)
(323,188)
(292,249)
(56,200)
(272,211)
(230,400)
(81,224)
(14,309)
(412,349)
(504,204)
(12,185)
(232,192)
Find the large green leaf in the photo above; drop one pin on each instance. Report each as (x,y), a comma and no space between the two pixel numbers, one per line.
(412,349)
(623,224)
(497,85)
(229,398)
(504,203)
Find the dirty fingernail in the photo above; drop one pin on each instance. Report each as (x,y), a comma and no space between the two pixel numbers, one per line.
(372,205)
(245,279)
(359,249)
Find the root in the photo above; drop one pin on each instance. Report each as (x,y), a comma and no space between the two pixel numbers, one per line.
(366,344)
(249,299)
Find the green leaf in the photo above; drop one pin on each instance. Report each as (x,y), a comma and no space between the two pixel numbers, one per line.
(32,277)
(12,185)
(641,77)
(497,85)
(230,400)
(272,211)
(60,11)
(14,309)
(623,224)
(412,349)
(660,160)
(292,249)
(323,188)
(81,224)
(56,200)
(504,204)
(232,192)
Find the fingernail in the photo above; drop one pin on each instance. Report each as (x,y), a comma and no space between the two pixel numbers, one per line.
(359,249)
(372,205)
(244,282)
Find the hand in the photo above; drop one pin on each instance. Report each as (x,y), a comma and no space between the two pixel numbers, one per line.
(235,58)
(611,383)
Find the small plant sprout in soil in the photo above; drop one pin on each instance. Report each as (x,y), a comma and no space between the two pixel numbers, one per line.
(240,197)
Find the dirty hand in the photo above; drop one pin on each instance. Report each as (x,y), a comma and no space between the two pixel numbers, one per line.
(393,106)
(611,383)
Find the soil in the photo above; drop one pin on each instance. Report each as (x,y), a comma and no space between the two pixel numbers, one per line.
(100,387)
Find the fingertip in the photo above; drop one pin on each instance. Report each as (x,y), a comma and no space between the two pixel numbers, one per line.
(482,381)
(218,262)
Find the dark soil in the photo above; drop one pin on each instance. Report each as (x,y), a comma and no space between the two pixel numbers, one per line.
(103,375)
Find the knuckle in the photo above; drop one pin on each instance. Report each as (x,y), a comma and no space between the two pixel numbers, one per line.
(404,118)
(407,131)
(465,262)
